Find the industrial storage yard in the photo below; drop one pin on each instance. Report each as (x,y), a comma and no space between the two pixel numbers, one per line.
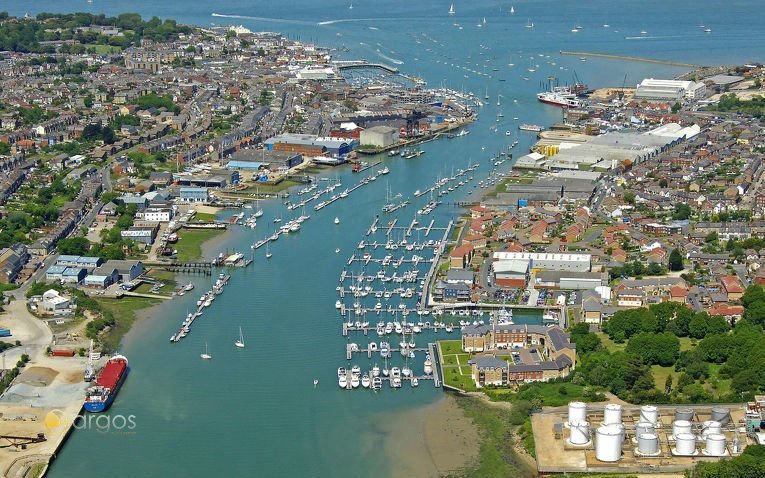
(630,439)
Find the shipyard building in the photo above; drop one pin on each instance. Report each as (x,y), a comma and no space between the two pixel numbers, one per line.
(669,90)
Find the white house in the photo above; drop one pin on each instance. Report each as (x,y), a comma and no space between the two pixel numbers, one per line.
(54,303)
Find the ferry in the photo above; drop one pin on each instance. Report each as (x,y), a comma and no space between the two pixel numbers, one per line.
(560,96)
(531,127)
(100,396)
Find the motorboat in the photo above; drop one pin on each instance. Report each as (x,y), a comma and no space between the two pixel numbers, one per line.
(365,381)
(428,365)
(338,304)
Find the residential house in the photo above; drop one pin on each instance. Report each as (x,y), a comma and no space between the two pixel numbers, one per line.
(491,371)
(461,256)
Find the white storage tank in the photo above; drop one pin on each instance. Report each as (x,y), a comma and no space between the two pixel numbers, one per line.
(679,427)
(612,414)
(580,433)
(721,414)
(685,444)
(715,444)
(577,412)
(648,444)
(684,414)
(644,427)
(709,427)
(608,443)
(649,413)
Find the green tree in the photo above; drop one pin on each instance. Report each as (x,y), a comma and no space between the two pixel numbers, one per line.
(682,211)
(655,349)
(76,246)
(629,197)
(675,260)
(676,107)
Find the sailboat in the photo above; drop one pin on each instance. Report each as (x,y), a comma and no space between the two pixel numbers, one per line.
(451,9)
(350,7)
(240,343)
(529,24)
(512,10)
(206,355)
(486,95)
(268,253)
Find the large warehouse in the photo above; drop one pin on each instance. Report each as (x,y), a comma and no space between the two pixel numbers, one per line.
(380,136)
(568,280)
(510,273)
(549,261)
(651,89)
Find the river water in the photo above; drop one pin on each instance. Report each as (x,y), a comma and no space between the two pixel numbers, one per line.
(255,409)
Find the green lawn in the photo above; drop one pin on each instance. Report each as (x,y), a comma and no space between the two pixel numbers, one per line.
(609,344)
(449,347)
(189,245)
(462,381)
(686,343)
(204,216)
(716,385)
(265,188)
(105,49)
(660,375)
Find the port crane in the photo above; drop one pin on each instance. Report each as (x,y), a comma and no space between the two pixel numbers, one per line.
(22,442)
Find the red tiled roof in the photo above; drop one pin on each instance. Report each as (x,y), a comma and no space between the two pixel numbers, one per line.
(731,284)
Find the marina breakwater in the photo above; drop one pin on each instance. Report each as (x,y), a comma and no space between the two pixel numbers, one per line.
(585,54)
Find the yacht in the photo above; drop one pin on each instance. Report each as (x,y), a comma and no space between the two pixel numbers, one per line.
(337,220)
(240,343)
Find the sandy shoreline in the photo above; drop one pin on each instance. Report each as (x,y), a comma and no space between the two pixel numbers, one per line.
(430,441)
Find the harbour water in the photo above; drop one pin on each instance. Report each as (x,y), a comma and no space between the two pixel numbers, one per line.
(256,409)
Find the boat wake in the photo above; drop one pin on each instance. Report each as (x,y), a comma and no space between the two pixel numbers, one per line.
(262,19)
(390,59)
(654,37)
(356,20)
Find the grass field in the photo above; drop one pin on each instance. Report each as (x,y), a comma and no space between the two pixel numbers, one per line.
(609,344)
(660,375)
(105,49)
(189,245)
